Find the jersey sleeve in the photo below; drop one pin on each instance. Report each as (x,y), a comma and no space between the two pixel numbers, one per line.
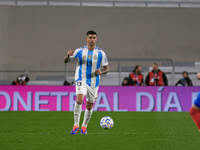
(104,59)
(75,55)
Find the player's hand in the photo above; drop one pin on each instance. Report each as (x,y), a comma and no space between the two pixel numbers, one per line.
(98,72)
(70,52)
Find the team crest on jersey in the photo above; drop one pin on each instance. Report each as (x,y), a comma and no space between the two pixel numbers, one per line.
(95,57)
(89,56)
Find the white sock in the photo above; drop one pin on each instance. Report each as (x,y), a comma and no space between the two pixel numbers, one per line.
(77,114)
(87,116)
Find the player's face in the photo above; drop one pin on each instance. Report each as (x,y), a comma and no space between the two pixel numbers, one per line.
(91,40)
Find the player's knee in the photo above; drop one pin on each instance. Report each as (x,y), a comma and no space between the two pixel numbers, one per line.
(79,102)
(89,107)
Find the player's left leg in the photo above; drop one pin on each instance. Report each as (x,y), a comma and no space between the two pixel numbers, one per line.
(195,111)
(87,116)
(90,97)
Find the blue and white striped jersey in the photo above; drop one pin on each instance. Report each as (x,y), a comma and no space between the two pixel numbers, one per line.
(88,62)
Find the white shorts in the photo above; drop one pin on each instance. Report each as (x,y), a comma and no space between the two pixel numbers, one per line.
(83,88)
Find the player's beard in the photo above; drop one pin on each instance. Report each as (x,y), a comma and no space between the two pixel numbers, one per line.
(92,44)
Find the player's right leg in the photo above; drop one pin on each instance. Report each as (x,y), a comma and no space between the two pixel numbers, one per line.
(77,113)
(195,111)
(80,93)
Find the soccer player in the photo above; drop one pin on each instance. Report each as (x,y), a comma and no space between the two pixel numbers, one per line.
(90,59)
(195,110)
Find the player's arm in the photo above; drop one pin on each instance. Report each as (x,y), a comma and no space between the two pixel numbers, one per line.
(67,57)
(104,70)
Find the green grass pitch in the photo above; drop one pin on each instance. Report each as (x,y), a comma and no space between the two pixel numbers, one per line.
(132,130)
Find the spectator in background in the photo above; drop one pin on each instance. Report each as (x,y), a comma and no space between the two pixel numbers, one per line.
(185,81)
(125,82)
(156,77)
(136,77)
(20,80)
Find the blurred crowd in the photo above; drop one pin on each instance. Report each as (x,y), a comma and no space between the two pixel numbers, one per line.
(155,77)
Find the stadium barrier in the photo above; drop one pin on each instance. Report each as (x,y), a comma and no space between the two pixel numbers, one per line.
(110,98)
(104,3)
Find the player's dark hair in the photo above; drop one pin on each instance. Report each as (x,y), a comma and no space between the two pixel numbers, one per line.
(91,32)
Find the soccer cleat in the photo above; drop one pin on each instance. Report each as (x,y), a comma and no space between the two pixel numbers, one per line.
(75,130)
(83,130)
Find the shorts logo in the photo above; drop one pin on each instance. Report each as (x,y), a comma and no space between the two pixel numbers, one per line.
(79,83)
(89,56)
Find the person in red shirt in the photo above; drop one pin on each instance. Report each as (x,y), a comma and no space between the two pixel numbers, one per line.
(136,77)
(156,77)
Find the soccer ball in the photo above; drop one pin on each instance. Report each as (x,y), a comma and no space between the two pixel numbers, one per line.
(106,122)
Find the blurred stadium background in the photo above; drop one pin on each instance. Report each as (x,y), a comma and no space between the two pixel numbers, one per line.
(36,34)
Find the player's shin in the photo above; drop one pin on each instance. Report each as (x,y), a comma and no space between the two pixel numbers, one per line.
(77,114)
(87,116)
